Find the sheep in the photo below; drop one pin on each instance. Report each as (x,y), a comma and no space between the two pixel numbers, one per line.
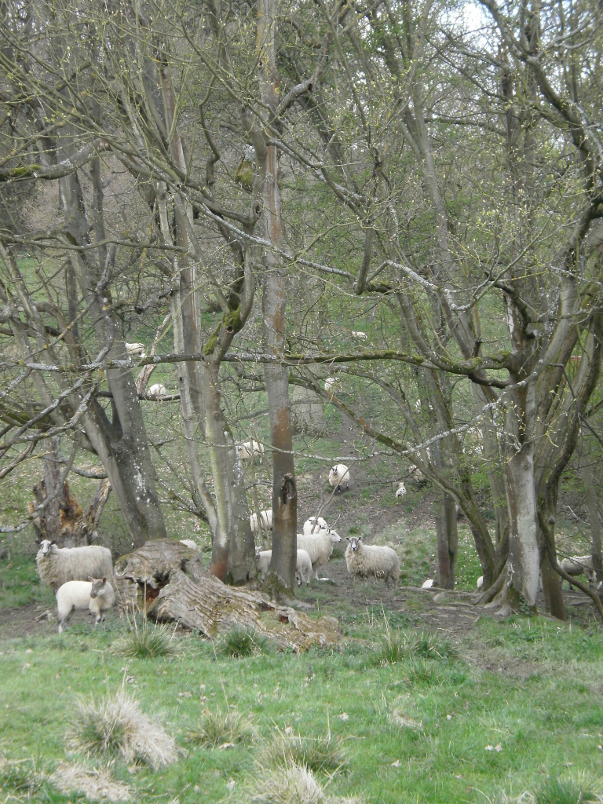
(95,594)
(313,525)
(428,584)
(329,383)
(264,523)
(339,477)
(576,565)
(303,565)
(157,390)
(417,474)
(401,490)
(57,566)
(480,581)
(360,336)
(190,543)
(135,349)
(366,560)
(319,546)
(248,450)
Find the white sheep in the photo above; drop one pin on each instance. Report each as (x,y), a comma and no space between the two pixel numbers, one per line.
(480,581)
(303,565)
(248,450)
(314,524)
(319,546)
(576,565)
(264,523)
(339,477)
(135,349)
(372,560)
(156,391)
(330,383)
(428,584)
(95,594)
(401,490)
(57,566)
(360,336)
(190,543)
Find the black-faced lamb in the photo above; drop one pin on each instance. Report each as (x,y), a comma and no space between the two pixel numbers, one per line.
(319,546)
(367,561)
(57,566)
(339,477)
(95,594)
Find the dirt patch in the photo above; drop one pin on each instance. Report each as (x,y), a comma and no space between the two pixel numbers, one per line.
(36,618)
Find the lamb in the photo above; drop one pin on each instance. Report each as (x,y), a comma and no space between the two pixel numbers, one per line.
(576,565)
(57,566)
(360,336)
(339,477)
(135,349)
(319,546)
(401,490)
(428,584)
(303,566)
(157,390)
(248,450)
(264,522)
(366,560)
(95,594)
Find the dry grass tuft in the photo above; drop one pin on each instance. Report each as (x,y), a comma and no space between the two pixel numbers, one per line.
(115,726)
(287,784)
(222,729)
(318,754)
(94,784)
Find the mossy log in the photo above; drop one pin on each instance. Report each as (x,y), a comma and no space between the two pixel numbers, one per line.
(177,588)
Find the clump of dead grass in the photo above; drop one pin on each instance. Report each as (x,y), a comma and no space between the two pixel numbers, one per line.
(222,729)
(287,784)
(318,754)
(95,784)
(115,726)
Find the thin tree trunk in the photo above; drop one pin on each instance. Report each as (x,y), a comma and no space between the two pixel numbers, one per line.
(593,515)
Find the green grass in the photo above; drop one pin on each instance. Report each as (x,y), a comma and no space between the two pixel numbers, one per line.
(417,729)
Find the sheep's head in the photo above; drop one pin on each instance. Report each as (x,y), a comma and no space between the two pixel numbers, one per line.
(257,555)
(98,585)
(335,537)
(355,542)
(45,546)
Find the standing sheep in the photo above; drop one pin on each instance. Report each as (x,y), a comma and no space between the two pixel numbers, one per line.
(339,477)
(57,566)
(95,594)
(313,525)
(303,565)
(248,450)
(319,546)
(156,391)
(264,522)
(372,560)
(401,490)
(576,565)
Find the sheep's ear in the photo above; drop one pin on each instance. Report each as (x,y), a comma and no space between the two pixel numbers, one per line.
(347,538)
(104,580)
(52,541)
(91,579)
(38,541)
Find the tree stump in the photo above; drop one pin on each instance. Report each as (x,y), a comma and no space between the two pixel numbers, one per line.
(169,580)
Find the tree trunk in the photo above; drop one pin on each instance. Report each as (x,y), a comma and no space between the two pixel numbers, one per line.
(524,555)
(446,530)
(284,492)
(593,515)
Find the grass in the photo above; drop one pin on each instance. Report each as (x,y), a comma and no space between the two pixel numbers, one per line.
(222,729)
(240,642)
(145,640)
(318,754)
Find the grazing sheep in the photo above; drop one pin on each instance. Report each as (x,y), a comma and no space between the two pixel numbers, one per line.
(313,525)
(57,566)
(319,546)
(339,477)
(576,565)
(95,594)
(157,390)
(303,566)
(360,336)
(372,560)
(135,349)
(264,523)
(428,584)
(190,543)
(401,490)
(248,450)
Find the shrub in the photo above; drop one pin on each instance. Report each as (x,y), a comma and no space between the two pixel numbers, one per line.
(115,726)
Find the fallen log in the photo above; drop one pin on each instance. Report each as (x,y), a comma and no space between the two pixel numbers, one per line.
(167,579)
